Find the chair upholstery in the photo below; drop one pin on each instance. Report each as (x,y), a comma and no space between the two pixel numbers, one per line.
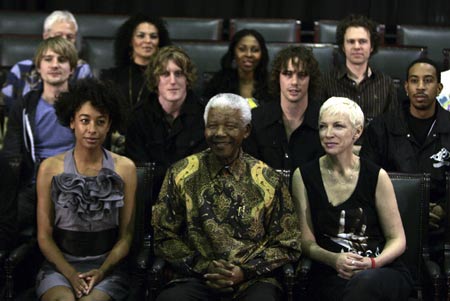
(432,37)
(20,22)
(206,57)
(141,250)
(394,60)
(14,48)
(99,53)
(325,31)
(413,195)
(446,53)
(323,53)
(99,25)
(273,30)
(447,240)
(206,29)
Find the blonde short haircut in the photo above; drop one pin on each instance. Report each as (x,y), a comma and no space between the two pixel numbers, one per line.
(342,105)
(158,64)
(59,45)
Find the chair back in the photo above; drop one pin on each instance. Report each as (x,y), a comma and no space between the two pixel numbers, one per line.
(413,194)
(325,31)
(143,198)
(21,22)
(203,29)
(206,56)
(99,53)
(435,38)
(15,48)
(99,25)
(273,30)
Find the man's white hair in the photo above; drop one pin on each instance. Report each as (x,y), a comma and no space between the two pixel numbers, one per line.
(59,16)
(230,100)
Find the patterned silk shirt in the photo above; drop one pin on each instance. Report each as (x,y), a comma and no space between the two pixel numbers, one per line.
(242,213)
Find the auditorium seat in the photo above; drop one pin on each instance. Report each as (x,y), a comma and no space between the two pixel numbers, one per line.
(323,53)
(14,48)
(394,60)
(99,54)
(99,25)
(446,53)
(434,38)
(325,31)
(206,56)
(273,30)
(24,23)
(203,29)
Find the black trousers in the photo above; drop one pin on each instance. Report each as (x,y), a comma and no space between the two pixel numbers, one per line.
(386,283)
(196,289)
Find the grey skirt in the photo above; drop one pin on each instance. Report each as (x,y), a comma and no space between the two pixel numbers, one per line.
(116,284)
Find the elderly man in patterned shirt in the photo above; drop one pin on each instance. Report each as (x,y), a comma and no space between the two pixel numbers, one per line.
(224,220)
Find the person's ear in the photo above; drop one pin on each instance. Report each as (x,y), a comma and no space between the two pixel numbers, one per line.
(248,130)
(440,87)
(358,132)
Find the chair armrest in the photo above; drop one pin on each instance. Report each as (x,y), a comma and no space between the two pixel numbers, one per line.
(3,254)
(143,258)
(304,267)
(158,266)
(288,270)
(447,259)
(18,254)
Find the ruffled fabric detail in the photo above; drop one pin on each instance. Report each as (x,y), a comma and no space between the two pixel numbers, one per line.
(91,198)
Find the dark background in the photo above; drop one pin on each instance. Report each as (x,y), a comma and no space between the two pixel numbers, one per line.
(389,12)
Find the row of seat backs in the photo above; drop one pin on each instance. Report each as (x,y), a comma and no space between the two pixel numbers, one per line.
(393,60)
(105,26)
(213,29)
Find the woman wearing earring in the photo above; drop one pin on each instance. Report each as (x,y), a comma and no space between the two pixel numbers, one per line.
(85,208)
(349,219)
(137,40)
(244,69)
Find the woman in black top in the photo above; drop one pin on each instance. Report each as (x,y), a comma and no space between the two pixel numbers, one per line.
(348,213)
(136,41)
(243,69)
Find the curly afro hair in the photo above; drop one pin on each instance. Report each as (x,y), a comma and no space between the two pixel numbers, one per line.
(102,95)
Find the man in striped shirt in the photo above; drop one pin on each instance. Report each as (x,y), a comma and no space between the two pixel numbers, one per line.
(23,76)
(371,89)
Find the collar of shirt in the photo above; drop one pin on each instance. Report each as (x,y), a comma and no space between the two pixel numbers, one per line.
(236,169)
(344,71)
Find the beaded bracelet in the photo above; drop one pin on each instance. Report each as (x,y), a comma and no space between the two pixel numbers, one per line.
(373,262)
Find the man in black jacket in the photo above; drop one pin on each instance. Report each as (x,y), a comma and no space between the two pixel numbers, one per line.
(285,131)
(34,132)
(415,138)
(169,125)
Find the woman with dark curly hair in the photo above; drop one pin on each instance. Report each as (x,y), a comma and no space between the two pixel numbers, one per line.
(244,69)
(86,203)
(137,39)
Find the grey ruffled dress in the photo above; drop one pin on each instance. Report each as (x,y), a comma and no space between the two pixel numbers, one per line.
(86,225)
